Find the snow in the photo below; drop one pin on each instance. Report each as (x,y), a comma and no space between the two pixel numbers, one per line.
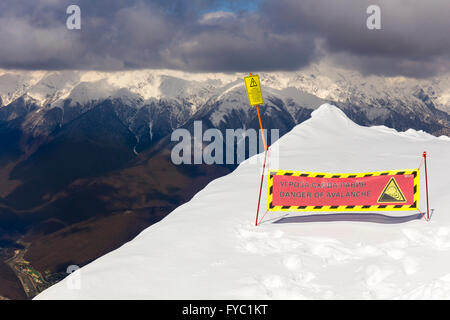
(209,247)
(86,92)
(236,99)
(12,86)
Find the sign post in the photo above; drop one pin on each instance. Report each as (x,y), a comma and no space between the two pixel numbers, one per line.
(253,87)
(426,183)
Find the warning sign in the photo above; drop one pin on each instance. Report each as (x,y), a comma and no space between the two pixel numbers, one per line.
(253,90)
(391,193)
(368,191)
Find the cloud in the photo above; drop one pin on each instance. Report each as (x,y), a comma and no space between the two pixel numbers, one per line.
(214,35)
(414,39)
(240,43)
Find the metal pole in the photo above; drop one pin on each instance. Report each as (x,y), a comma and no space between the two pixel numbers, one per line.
(266,148)
(260,188)
(426,183)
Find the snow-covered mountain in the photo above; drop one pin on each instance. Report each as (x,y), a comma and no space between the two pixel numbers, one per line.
(142,96)
(209,247)
(321,80)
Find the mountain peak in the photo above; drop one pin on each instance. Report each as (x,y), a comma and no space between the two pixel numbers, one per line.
(329,112)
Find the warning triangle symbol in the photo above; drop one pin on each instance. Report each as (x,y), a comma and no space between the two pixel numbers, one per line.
(391,193)
(253,83)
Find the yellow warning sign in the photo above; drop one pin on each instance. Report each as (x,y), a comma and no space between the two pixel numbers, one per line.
(253,90)
(391,193)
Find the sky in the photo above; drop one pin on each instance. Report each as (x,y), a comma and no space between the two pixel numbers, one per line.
(227,36)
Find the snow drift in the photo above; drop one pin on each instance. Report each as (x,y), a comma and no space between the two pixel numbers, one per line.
(209,247)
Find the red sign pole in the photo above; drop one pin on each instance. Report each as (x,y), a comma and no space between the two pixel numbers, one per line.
(260,187)
(266,148)
(426,183)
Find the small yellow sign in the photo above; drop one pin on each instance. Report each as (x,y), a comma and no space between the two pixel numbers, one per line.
(391,193)
(253,90)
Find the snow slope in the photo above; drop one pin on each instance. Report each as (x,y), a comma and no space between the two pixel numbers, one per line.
(209,248)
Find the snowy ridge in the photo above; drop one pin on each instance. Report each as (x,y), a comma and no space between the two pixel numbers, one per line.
(209,248)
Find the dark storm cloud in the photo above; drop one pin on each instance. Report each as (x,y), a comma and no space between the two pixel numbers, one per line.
(414,39)
(214,35)
(146,34)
